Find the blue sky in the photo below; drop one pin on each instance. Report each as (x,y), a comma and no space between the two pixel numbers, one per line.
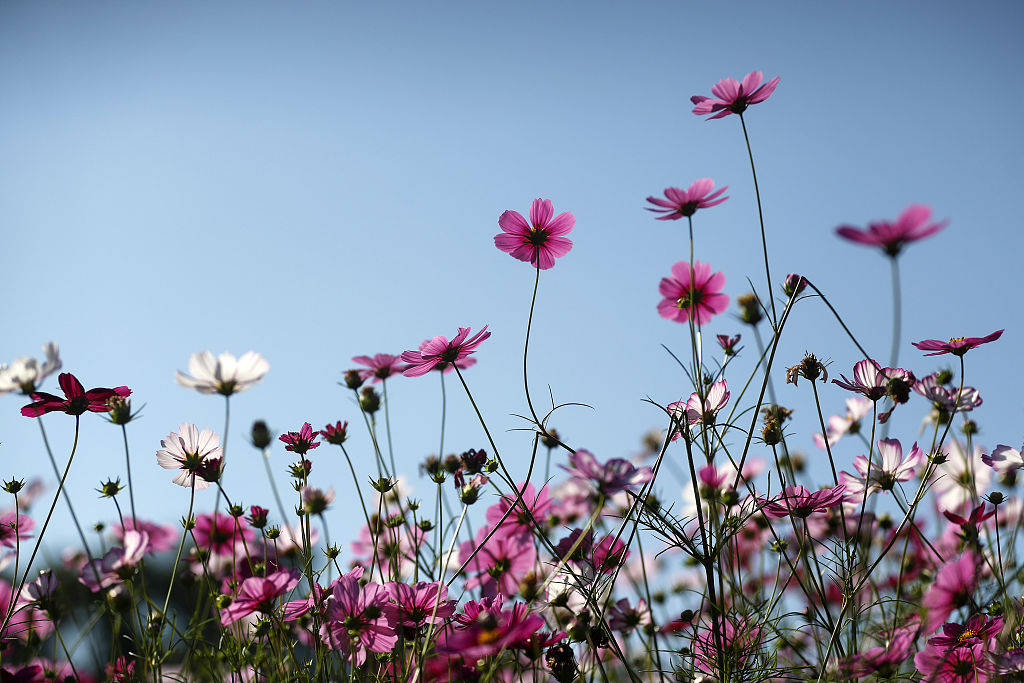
(323,180)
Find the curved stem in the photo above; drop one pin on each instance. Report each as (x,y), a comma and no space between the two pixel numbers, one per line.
(67,497)
(128,465)
(224,448)
(526,348)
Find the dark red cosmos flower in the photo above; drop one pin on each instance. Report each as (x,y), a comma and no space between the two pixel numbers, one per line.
(335,433)
(77,400)
(957,346)
(977,516)
(301,441)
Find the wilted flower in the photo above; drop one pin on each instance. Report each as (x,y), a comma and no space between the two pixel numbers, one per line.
(540,241)
(223,374)
(728,343)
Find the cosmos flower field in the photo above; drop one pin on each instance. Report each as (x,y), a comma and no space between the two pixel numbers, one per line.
(894,558)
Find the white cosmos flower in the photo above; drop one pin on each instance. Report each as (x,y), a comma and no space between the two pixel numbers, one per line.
(185,450)
(24,374)
(962,479)
(223,374)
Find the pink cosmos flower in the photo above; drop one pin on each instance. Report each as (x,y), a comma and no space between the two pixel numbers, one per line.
(891,237)
(802,503)
(491,631)
(978,629)
(420,603)
(957,346)
(696,411)
(869,379)
(623,617)
(692,295)
(257,594)
(884,660)
(26,621)
(537,504)
(965,664)
(961,479)
(740,641)
(887,468)
(76,401)
(839,425)
(378,367)
(301,441)
(15,527)
(540,241)
(953,588)
(728,344)
(1004,459)
(679,202)
(29,673)
(121,670)
(118,564)
(501,563)
(360,619)
(614,476)
(186,451)
(733,97)
(221,534)
(441,353)
(946,398)
(162,537)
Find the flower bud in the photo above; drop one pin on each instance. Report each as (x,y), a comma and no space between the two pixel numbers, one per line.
(257,517)
(260,434)
(793,285)
(119,410)
(110,488)
(750,309)
(369,400)
(14,486)
(352,379)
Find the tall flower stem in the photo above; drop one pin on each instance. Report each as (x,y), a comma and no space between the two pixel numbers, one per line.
(526,348)
(46,523)
(760,217)
(387,426)
(444,413)
(67,497)
(224,448)
(128,466)
(897,312)
(273,486)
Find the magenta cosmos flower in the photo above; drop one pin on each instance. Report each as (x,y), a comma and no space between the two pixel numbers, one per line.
(360,619)
(502,562)
(420,603)
(608,478)
(679,203)
(957,346)
(76,401)
(697,294)
(912,225)
(257,594)
(378,367)
(733,97)
(540,241)
(440,353)
(301,441)
(954,585)
(801,503)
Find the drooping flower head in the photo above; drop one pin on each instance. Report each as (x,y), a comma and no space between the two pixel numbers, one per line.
(24,374)
(76,401)
(733,97)
(891,236)
(223,374)
(695,294)
(540,241)
(1004,459)
(679,203)
(187,450)
(614,476)
(441,354)
(301,441)
(947,399)
(957,346)
(379,366)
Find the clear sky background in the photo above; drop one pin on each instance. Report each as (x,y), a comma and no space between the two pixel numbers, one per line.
(319,180)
